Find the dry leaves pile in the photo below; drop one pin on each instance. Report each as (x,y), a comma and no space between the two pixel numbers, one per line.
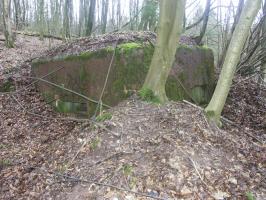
(164,152)
(98,42)
(168,152)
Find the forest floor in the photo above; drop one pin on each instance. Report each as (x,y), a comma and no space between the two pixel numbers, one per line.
(144,151)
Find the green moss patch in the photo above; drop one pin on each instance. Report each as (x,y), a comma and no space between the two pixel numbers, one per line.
(104,117)
(129,46)
(147,94)
(7,87)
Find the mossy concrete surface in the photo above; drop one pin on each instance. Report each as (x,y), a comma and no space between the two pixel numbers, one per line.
(192,76)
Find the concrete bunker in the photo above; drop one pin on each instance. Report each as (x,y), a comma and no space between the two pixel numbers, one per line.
(82,66)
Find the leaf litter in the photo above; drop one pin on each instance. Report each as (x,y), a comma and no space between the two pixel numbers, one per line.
(163,152)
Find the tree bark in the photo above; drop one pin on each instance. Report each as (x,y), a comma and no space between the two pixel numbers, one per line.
(215,107)
(236,19)
(170,28)
(67,16)
(9,39)
(90,17)
(17,13)
(262,79)
(41,18)
(23,13)
(105,6)
(81,17)
(198,39)
(118,14)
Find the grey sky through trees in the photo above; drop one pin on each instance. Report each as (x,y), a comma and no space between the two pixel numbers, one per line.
(191,9)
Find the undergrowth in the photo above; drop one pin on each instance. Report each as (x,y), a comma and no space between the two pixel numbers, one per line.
(95,143)
(250,196)
(147,94)
(103,117)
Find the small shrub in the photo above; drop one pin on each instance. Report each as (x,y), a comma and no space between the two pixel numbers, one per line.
(250,196)
(127,169)
(2,146)
(133,182)
(5,162)
(95,143)
(147,94)
(6,87)
(103,117)
(62,168)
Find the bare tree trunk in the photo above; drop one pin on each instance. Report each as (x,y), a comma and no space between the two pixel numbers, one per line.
(90,17)
(105,6)
(118,14)
(148,17)
(215,107)
(9,39)
(131,14)
(81,16)
(41,17)
(262,78)
(67,16)
(17,13)
(170,28)
(23,13)
(205,22)
(236,19)
(1,8)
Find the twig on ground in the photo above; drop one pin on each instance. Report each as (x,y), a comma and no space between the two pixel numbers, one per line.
(193,105)
(200,108)
(228,121)
(20,105)
(108,158)
(197,171)
(77,179)
(79,150)
(239,127)
(69,119)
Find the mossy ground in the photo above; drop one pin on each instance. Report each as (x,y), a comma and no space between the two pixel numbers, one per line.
(7,87)
(148,95)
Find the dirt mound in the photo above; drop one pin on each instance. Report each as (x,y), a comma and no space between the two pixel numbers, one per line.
(167,152)
(161,152)
(25,48)
(246,105)
(14,61)
(110,39)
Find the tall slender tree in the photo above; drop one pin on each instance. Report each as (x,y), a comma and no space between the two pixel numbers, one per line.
(149,15)
(170,28)
(17,13)
(205,22)
(228,39)
(215,107)
(81,16)
(262,79)
(40,15)
(118,14)
(67,18)
(105,6)
(9,39)
(23,12)
(90,18)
